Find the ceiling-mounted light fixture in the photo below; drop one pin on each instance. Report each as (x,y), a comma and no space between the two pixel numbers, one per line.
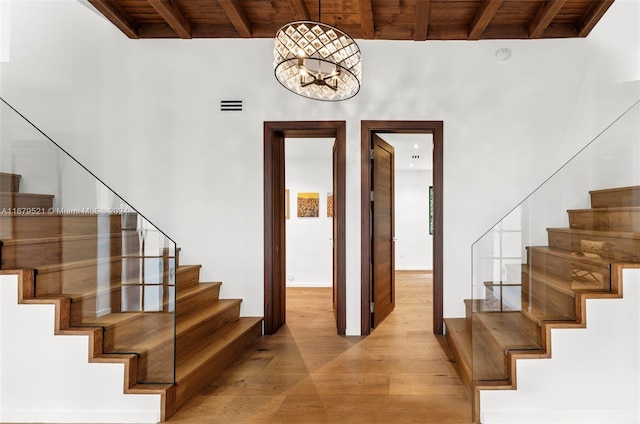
(317,61)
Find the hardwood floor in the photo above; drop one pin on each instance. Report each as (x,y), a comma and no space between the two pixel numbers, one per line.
(305,373)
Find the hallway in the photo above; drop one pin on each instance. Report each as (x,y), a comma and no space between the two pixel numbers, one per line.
(307,374)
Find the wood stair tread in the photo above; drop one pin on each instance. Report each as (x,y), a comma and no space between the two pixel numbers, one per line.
(490,305)
(108,259)
(63,238)
(207,349)
(598,233)
(572,256)
(185,268)
(112,320)
(607,209)
(25,195)
(78,264)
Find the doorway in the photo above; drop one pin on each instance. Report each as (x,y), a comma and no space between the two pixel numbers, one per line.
(275,215)
(369,131)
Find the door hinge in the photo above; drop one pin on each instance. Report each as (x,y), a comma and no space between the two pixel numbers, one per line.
(371,154)
(373,306)
(373,195)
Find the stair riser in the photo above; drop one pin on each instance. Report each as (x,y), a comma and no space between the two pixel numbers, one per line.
(33,253)
(613,248)
(156,366)
(33,226)
(84,279)
(9,182)
(18,201)
(605,220)
(593,276)
(206,329)
(188,278)
(623,197)
(536,294)
(217,364)
(120,337)
(458,352)
(492,353)
(92,306)
(193,303)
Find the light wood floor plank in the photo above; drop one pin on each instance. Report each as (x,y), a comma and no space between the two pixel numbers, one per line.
(306,373)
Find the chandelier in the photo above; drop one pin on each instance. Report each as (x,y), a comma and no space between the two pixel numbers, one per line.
(317,61)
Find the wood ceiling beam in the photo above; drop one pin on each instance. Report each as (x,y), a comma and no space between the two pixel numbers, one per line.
(172,15)
(299,10)
(366,19)
(596,10)
(421,26)
(236,15)
(483,18)
(112,11)
(543,18)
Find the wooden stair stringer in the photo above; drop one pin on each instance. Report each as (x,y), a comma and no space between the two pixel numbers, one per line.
(511,383)
(62,326)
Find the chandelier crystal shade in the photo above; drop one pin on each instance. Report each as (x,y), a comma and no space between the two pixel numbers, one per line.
(317,61)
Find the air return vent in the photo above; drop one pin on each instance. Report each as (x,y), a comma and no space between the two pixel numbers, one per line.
(231,105)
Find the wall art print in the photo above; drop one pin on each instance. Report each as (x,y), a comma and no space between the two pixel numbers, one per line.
(308,205)
(329,205)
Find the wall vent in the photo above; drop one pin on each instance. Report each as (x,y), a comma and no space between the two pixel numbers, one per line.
(231,105)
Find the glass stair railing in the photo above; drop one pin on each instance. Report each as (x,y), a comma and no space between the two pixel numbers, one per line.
(87,244)
(557,245)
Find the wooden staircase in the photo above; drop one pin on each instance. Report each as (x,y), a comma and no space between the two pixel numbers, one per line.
(82,261)
(583,261)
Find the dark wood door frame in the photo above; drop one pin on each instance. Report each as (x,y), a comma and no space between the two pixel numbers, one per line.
(368,128)
(274,215)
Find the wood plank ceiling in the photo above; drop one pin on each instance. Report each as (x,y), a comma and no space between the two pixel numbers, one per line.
(417,20)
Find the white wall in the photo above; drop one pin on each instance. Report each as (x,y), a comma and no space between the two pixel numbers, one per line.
(414,244)
(309,240)
(592,376)
(69,391)
(143,115)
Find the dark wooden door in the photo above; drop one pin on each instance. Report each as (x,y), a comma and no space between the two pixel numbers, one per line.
(382,230)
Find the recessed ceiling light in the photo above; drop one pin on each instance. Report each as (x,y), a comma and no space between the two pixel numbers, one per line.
(415,146)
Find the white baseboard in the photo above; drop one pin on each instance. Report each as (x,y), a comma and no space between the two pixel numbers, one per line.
(78,416)
(301,284)
(562,417)
(414,268)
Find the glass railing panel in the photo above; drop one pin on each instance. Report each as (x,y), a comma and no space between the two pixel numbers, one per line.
(529,267)
(87,243)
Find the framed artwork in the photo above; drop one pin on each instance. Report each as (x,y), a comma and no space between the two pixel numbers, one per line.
(329,205)
(308,205)
(431,210)
(286,204)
